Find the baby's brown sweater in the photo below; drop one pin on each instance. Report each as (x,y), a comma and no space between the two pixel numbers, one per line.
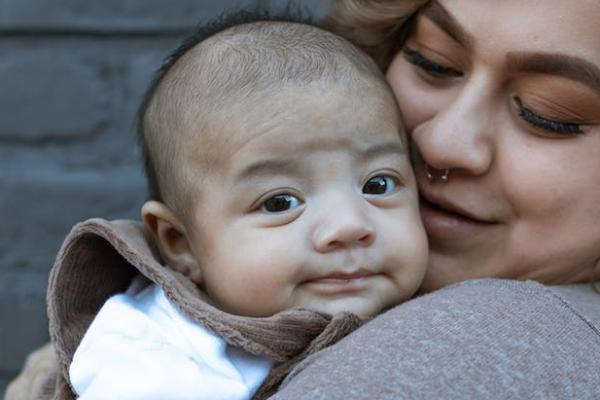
(99,258)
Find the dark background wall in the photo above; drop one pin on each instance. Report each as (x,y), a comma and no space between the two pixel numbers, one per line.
(71,76)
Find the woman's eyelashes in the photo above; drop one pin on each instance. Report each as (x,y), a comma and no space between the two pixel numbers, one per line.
(428,66)
(548,125)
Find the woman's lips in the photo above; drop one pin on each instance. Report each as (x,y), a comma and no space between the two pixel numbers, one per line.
(445,221)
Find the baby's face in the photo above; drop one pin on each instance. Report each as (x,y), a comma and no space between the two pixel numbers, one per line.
(316,208)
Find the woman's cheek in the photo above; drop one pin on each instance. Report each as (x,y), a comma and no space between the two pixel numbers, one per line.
(541,185)
(419,101)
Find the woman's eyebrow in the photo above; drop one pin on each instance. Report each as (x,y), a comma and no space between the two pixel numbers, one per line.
(446,22)
(570,67)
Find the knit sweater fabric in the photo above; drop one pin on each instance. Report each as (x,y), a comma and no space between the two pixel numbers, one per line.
(479,339)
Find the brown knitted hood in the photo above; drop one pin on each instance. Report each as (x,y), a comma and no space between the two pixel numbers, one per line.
(99,258)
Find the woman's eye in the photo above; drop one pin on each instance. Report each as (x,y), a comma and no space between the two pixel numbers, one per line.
(280,203)
(432,68)
(379,185)
(551,126)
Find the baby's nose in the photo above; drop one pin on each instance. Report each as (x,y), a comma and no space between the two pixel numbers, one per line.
(344,227)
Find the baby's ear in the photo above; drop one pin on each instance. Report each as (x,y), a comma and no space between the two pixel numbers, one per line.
(172,239)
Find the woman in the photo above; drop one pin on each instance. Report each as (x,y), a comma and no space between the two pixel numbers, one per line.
(502,100)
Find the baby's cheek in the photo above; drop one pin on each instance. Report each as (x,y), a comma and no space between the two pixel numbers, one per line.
(257,290)
(246,298)
(408,254)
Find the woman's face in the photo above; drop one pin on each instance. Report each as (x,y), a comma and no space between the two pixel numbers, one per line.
(506,94)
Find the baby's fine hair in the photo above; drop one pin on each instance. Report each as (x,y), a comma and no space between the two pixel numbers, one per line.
(234,59)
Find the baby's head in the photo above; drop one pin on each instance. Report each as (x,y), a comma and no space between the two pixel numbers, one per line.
(279,172)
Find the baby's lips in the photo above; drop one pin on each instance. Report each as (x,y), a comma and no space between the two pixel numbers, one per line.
(344,275)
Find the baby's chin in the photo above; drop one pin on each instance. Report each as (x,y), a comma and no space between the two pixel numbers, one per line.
(363,308)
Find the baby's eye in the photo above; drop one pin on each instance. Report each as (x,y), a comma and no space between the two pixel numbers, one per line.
(379,185)
(280,203)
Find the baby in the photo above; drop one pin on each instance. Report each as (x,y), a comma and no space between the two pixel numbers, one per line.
(280,177)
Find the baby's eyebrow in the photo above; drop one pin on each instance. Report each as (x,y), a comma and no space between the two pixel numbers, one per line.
(266,167)
(383,149)
(291,166)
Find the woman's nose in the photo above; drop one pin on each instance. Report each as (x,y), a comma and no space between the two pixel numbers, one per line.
(459,134)
(345,226)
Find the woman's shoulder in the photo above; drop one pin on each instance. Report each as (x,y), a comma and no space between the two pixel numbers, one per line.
(583,299)
(498,312)
(492,298)
(474,304)
(485,338)
(518,298)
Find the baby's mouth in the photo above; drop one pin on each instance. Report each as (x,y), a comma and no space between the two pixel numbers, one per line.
(340,281)
(361,273)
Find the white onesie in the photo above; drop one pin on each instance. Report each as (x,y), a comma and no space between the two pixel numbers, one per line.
(139,346)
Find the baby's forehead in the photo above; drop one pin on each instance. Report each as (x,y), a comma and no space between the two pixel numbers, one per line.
(302,120)
(320,107)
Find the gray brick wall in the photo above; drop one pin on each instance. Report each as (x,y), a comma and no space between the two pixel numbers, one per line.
(71,76)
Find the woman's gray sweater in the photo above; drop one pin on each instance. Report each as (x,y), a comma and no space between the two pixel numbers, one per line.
(479,339)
